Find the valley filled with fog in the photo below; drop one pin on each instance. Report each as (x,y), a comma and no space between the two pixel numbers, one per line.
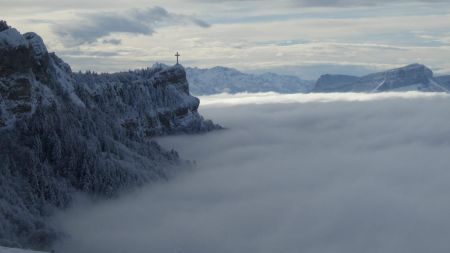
(290,173)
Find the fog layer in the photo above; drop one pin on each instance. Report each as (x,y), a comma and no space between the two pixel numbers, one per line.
(311,174)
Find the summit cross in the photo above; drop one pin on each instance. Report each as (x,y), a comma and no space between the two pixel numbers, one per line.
(177,55)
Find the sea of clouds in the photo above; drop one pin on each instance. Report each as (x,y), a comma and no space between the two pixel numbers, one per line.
(291,173)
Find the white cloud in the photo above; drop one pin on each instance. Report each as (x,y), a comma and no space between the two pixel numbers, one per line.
(221,100)
(366,173)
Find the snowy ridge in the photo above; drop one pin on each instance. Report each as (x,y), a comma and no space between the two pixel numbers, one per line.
(414,77)
(227,80)
(62,133)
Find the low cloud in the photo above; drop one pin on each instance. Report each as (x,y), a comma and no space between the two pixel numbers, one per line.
(222,100)
(89,28)
(351,173)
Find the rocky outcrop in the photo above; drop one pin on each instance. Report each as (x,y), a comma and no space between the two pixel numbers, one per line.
(415,74)
(62,133)
(412,77)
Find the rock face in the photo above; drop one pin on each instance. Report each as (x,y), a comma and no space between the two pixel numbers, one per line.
(62,133)
(412,77)
(148,102)
(220,80)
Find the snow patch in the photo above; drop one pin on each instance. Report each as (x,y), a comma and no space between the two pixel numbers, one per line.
(12,38)
(15,250)
(37,44)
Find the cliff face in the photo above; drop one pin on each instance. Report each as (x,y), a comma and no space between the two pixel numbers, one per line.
(412,77)
(62,132)
(148,102)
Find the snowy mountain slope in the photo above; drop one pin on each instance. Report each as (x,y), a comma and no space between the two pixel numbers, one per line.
(16,250)
(412,77)
(62,132)
(221,79)
(444,81)
(330,83)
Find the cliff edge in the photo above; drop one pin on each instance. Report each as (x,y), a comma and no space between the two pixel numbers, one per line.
(62,133)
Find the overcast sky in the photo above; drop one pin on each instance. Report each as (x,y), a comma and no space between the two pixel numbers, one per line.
(305,37)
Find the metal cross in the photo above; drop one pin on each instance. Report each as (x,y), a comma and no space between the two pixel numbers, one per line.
(177,55)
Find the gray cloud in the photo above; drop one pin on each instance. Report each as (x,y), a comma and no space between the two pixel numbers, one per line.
(369,176)
(112,41)
(88,28)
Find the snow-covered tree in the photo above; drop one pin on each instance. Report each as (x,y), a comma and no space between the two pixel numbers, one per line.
(3,25)
(66,132)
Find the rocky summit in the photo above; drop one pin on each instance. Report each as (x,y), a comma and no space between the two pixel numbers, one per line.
(414,77)
(64,132)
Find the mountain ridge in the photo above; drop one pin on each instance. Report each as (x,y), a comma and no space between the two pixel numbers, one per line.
(411,77)
(228,80)
(62,133)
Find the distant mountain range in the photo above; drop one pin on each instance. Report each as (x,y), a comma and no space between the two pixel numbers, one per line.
(414,77)
(221,79)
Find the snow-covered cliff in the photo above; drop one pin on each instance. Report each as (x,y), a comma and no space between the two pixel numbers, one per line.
(412,77)
(148,102)
(221,79)
(62,132)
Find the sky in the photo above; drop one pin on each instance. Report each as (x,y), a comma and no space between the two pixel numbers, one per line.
(312,173)
(302,37)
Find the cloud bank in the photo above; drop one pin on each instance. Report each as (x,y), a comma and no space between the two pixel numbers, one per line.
(369,175)
(88,28)
(224,99)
